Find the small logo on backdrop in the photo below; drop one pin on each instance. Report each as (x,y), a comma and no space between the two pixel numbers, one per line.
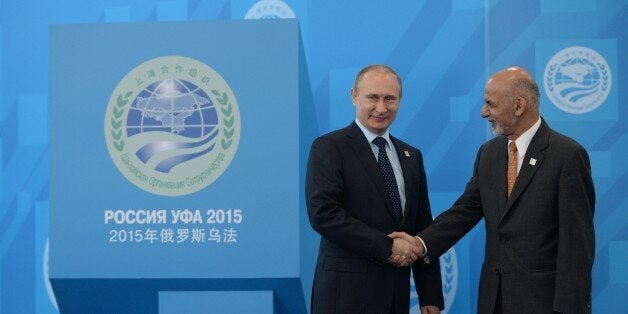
(172,125)
(577,80)
(449,276)
(270,9)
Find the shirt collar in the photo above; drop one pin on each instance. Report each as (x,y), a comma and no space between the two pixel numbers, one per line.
(370,136)
(523,141)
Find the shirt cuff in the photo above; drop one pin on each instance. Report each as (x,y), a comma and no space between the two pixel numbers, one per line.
(424,246)
(425,258)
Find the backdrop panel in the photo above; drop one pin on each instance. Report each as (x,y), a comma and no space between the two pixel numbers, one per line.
(175,155)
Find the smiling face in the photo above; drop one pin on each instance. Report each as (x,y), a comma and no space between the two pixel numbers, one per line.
(511,102)
(500,108)
(376,99)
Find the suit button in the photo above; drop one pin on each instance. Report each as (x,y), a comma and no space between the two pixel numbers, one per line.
(496,271)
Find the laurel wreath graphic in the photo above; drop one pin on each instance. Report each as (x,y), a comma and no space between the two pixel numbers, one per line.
(550,77)
(604,76)
(228,121)
(449,278)
(116,120)
(449,267)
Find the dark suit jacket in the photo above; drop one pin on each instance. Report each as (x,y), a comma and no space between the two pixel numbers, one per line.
(540,241)
(348,206)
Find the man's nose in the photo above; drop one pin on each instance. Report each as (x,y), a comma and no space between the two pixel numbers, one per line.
(484,112)
(380,106)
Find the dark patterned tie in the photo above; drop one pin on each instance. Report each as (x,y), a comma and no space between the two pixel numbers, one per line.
(389,178)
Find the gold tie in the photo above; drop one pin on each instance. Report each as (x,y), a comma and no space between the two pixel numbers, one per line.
(512,166)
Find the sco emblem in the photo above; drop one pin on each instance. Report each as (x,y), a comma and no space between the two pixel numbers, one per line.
(577,80)
(172,126)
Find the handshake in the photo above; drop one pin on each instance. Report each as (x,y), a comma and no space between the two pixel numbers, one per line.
(405,250)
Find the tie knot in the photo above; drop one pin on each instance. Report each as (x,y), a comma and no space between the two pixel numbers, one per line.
(380,142)
(512,146)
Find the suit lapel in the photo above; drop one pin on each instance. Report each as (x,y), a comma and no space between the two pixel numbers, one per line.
(364,153)
(500,159)
(532,161)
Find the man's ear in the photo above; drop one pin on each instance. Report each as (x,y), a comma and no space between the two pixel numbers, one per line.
(354,96)
(521,105)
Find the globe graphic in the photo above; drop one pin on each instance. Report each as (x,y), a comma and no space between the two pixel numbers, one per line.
(173,106)
(576,79)
(579,70)
(269,17)
(177,107)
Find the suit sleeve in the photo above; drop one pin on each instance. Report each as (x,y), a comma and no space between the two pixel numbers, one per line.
(576,238)
(324,194)
(454,223)
(427,277)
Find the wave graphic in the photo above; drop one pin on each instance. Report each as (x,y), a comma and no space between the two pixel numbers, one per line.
(574,91)
(188,151)
(169,163)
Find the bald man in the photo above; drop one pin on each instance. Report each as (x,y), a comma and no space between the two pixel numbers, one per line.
(533,187)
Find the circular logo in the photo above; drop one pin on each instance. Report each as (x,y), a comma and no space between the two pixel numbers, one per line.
(172,125)
(577,80)
(270,9)
(449,277)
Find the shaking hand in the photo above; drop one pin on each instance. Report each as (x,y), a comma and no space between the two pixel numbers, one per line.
(406,249)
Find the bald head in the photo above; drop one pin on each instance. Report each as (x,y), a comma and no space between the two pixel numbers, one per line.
(511,102)
(519,83)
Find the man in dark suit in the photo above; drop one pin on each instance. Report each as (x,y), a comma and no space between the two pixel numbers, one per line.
(357,194)
(537,199)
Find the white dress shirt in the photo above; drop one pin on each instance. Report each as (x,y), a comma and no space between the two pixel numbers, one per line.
(523,141)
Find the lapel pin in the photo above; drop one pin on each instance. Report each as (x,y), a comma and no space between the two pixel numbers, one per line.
(406,153)
(532,161)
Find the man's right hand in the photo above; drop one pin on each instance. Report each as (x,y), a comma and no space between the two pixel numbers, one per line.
(403,254)
(406,249)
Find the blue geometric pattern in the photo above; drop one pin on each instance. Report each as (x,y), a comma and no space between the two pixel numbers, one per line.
(443,51)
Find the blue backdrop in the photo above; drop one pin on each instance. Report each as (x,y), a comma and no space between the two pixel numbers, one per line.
(443,50)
